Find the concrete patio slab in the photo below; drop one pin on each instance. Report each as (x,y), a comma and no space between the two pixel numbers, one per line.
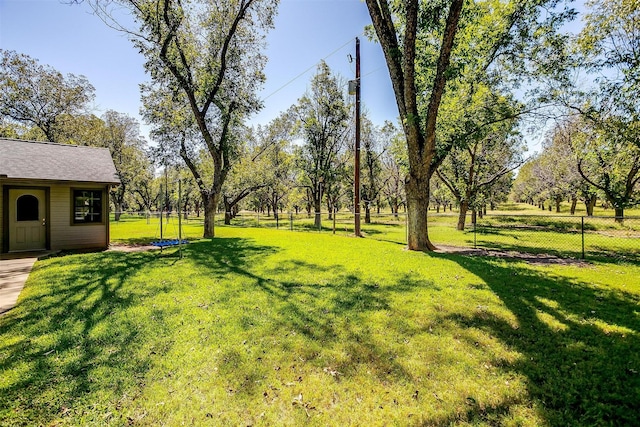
(14,271)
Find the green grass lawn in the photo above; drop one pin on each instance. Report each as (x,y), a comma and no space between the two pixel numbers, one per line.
(528,231)
(272,327)
(132,229)
(514,226)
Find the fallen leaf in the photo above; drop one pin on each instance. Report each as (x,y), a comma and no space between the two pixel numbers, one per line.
(331,372)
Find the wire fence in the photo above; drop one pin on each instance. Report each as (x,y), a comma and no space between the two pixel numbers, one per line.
(563,236)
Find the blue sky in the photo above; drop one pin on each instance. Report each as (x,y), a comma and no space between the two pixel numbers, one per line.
(72,40)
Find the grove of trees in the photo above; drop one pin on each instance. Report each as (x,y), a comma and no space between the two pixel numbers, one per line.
(469,79)
(593,150)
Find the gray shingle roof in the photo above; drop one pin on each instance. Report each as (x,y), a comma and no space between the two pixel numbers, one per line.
(59,162)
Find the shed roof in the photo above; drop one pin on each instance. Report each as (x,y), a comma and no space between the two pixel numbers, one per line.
(57,162)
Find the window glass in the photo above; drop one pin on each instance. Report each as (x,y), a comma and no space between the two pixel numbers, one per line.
(87,206)
(27,207)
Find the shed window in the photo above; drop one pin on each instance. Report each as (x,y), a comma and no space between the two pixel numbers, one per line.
(87,206)
(27,207)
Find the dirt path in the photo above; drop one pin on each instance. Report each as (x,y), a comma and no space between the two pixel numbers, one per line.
(535,259)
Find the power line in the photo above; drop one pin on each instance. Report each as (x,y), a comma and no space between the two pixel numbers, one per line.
(371,72)
(307,70)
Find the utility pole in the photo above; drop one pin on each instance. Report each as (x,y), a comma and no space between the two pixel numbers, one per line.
(356,178)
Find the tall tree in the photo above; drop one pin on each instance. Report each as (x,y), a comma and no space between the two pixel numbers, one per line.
(118,132)
(248,174)
(612,165)
(562,158)
(607,106)
(474,167)
(145,190)
(430,45)
(276,150)
(394,166)
(37,95)
(206,68)
(371,181)
(322,117)
(609,48)
(440,194)
(556,169)
(525,186)
(122,137)
(420,129)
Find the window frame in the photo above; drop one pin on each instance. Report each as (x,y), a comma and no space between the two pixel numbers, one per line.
(101,192)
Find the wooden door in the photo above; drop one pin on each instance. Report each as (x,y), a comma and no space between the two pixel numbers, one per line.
(27,220)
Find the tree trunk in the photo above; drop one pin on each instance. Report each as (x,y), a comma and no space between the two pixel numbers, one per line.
(462,216)
(118,211)
(417,205)
(574,202)
(210,203)
(474,216)
(619,215)
(558,201)
(227,211)
(591,203)
(316,206)
(394,207)
(367,213)
(118,201)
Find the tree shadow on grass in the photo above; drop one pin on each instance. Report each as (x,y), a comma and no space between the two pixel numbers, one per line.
(580,343)
(600,254)
(74,343)
(321,316)
(67,337)
(136,241)
(546,240)
(325,305)
(524,248)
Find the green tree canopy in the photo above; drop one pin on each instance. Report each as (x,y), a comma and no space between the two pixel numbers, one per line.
(435,47)
(206,68)
(322,122)
(38,95)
